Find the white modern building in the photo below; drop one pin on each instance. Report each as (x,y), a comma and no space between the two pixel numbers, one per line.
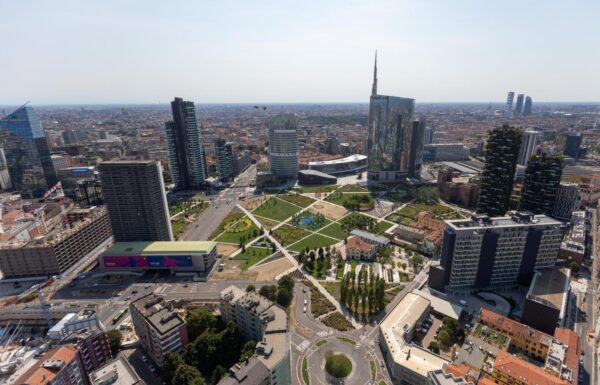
(353,164)
(529,141)
(496,252)
(283,146)
(568,199)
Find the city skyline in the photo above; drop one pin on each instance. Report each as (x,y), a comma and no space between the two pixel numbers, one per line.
(104,54)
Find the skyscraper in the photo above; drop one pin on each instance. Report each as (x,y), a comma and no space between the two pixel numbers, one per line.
(501,153)
(416,148)
(529,142)
(283,146)
(573,144)
(541,184)
(134,193)
(27,153)
(528,106)
(224,157)
(519,106)
(509,101)
(187,163)
(390,137)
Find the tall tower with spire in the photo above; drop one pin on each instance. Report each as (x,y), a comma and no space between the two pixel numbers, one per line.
(374,89)
(395,141)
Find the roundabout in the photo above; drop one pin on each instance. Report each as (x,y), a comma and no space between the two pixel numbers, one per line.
(337,360)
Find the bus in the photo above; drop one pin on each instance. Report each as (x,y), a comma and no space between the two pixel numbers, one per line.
(119,315)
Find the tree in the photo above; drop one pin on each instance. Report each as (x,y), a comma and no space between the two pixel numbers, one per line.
(434,347)
(170,364)
(218,373)
(574,266)
(247,350)
(114,341)
(269,292)
(286,282)
(416,260)
(444,338)
(284,297)
(349,297)
(199,320)
(250,288)
(188,375)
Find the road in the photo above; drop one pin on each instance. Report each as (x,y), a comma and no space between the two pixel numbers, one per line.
(221,205)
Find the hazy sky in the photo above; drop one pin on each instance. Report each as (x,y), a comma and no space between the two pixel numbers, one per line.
(124,51)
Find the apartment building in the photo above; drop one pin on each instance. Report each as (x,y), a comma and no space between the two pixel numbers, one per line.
(92,345)
(159,327)
(496,252)
(60,366)
(259,319)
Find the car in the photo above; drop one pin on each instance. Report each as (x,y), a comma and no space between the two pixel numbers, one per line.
(185,285)
(305,302)
(144,359)
(304,290)
(304,309)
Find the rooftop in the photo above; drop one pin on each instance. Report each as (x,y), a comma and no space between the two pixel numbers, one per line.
(550,287)
(160,247)
(366,235)
(116,372)
(403,318)
(357,243)
(506,325)
(250,372)
(46,369)
(526,373)
(348,159)
(157,313)
(518,219)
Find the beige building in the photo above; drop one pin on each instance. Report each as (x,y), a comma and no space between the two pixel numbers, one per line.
(259,319)
(58,251)
(160,328)
(407,363)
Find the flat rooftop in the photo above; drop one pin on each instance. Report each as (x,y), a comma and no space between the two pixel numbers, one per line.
(393,328)
(550,287)
(117,372)
(160,248)
(519,219)
(250,372)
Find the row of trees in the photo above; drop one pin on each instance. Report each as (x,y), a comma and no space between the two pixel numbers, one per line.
(318,261)
(364,290)
(186,206)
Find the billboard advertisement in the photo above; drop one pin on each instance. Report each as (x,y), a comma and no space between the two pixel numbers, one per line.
(153,261)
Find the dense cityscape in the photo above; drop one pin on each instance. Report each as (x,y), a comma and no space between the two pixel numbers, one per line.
(384,242)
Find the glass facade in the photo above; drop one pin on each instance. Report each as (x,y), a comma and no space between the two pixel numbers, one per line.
(27,152)
(390,135)
(187,164)
(283,146)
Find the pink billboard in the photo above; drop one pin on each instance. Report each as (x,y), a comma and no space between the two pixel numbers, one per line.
(153,261)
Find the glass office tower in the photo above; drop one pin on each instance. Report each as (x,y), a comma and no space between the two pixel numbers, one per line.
(27,152)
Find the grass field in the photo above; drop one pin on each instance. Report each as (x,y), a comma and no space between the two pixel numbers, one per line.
(397,218)
(178,226)
(268,224)
(276,209)
(312,242)
(343,199)
(334,230)
(287,234)
(339,322)
(298,200)
(305,376)
(352,188)
(316,189)
(383,226)
(319,305)
(252,255)
(234,215)
(240,236)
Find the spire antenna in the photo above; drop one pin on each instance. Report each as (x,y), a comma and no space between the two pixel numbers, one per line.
(374,89)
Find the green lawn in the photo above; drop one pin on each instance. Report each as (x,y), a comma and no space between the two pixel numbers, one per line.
(316,189)
(313,242)
(356,220)
(266,223)
(334,230)
(232,216)
(298,200)
(305,371)
(339,322)
(409,212)
(276,209)
(373,369)
(435,208)
(383,226)
(178,226)
(347,340)
(352,188)
(397,218)
(287,234)
(238,237)
(321,343)
(252,255)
